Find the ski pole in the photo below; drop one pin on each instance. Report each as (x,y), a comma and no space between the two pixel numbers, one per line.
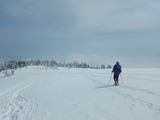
(110,79)
(121,78)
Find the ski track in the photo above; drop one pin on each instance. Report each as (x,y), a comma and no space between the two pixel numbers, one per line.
(14,105)
(120,90)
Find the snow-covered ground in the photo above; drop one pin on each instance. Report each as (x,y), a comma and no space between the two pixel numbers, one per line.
(80,94)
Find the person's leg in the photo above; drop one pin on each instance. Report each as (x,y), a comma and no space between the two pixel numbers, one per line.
(116,83)
(115,79)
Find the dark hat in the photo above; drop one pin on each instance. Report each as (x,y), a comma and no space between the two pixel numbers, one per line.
(117,62)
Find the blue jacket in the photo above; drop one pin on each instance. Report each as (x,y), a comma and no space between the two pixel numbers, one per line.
(117,69)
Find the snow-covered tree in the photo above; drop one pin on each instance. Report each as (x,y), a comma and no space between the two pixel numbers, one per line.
(103,66)
(109,67)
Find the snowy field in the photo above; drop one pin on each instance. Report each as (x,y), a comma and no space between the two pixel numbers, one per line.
(80,94)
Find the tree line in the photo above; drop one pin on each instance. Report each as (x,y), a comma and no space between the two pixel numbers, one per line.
(13,64)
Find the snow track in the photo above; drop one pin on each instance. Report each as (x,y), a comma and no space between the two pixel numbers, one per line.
(80,94)
(137,99)
(145,100)
(15,105)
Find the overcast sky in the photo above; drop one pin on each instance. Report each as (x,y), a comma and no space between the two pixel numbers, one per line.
(40,28)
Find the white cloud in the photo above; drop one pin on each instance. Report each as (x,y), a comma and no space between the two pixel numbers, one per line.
(132,26)
(109,15)
(117,15)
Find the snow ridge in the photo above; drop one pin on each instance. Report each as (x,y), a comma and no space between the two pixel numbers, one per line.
(15,105)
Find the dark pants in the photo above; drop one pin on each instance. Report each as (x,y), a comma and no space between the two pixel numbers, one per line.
(116,80)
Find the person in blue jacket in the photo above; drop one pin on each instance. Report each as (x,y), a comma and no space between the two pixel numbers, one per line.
(116,70)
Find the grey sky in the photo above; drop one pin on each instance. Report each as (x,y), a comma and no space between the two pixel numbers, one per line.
(37,28)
